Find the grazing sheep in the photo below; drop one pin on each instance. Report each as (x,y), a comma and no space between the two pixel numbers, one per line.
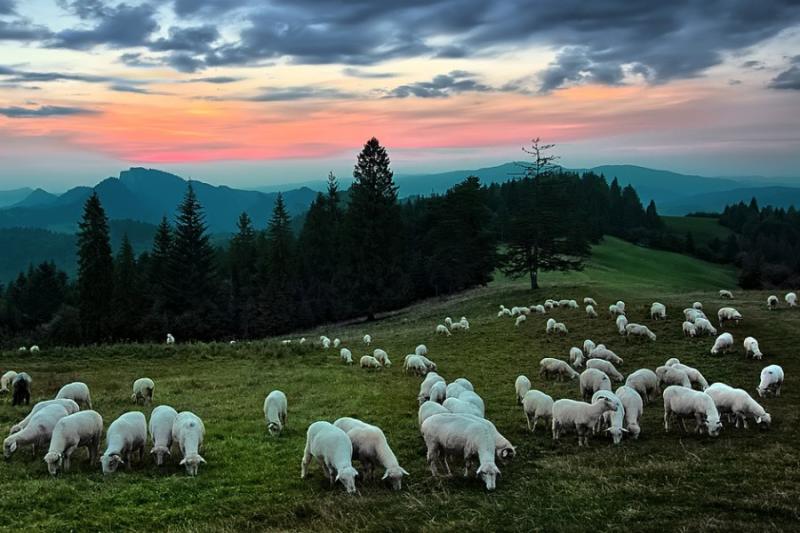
(456,405)
(639,330)
(77,392)
(669,375)
(576,357)
(536,405)
(588,346)
(728,295)
(415,364)
(430,366)
(370,362)
(684,402)
(601,352)
(383,357)
(550,366)
(453,390)
(125,436)
(539,309)
(550,327)
(188,431)
(22,349)
(170,339)
(614,310)
(695,377)
(579,416)
(613,421)
(464,323)
(21,389)
(658,311)
(606,367)
(465,436)
(589,301)
(549,305)
(442,330)
(449,321)
(621,322)
(161,421)
(572,304)
(520,319)
(84,428)
(791,299)
(69,405)
(464,382)
(428,409)
(427,384)
(37,431)
(438,392)
(34,349)
(275,410)
(504,311)
(751,348)
(738,403)
(6,381)
(326,343)
(771,381)
(689,329)
(367,339)
(691,314)
(564,303)
(143,390)
(370,447)
(323,339)
(474,399)
(634,407)
(336,343)
(772,302)
(591,381)
(703,325)
(724,344)
(590,312)
(620,304)
(672,361)
(421,350)
(728,314)
(334,451)
(645,382)
(346,356)
(698,306)
(521,386)
(561,329)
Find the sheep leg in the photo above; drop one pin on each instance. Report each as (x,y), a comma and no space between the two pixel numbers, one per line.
(666,421)
(304,462)
(433,452)
(535,421)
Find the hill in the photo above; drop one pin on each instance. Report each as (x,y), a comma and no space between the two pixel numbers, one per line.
(716,201)
(37,197)
(11,197)
(702,229)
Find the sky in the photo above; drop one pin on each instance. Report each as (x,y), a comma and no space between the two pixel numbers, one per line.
(259,92)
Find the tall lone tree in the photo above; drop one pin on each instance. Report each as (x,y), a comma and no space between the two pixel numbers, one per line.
(95,272)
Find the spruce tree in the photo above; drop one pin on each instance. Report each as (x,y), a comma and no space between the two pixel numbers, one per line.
(127,295)
(243,269)
(277,273)
(95,272)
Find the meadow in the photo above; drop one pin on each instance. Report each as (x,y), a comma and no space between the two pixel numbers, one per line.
(744,480)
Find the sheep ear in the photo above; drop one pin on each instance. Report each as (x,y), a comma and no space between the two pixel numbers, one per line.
(183,461)
(202,460)
(403,470)
(385,475)
(13,446)
(625,430)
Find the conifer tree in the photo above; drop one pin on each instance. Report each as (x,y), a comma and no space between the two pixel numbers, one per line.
(127,295)
(243,269)
(95,272)
(277,272)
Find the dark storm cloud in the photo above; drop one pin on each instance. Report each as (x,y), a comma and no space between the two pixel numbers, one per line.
(44,111)
(7,7)
(789,78)
(441,86)
(301,92)
(120,26)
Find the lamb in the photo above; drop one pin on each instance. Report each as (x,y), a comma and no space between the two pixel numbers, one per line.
(725,294)
(125,436)
(593,380)
(415,364)
(37,431)
(580,416)
(170,339)
(520,319)
(703,325)
(791,299)
(84,428)
(471,397)
(550,366)
(772,302)
(621,322)
(143,390)
(521,386)
(453,434)
(69,405)
(370,447)
(614,310)
(370,362)
(689,329)
(6,380)
(751,348)
(438,392)
(346,356)
(590,312)
(383,357)
(427,384)
(658,311)
(694,375)
(336,342)
(333,449)
(606,367)
(633,405)
(442,330)
(275,410)
(613,421)
(590,301)
(668,376)
(738,403)
(645,382)
(588,346)
(536,405)
(771,381)
(428,409)
(188,431)
(698,306)
(685,402)
(464,382)
(601,352)
(21,389)
(78,392)
(728,314)
(639,330)
(724,344)
(576,357)
(421,350)
(367,339)
(161,421)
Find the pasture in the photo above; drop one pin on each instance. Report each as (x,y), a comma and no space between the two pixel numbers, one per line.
(744,480)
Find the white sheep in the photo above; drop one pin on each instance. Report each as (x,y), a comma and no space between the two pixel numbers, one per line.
(84,428)
(37,431)
(613,421)
(143,390)
(601,352)
(34,349)
(125,436)
(465,383)
(724,344)
(275,411)
(370,362)
(438,392)
(576,357)
(536,405)
(620,304)
(22,349)
(691,314)
(170,339)
(333,449)
(415,364)
(442,330)
(520,319)
(771,381)
(564,303)
(453,390)
(539,309)
(728,314)
(367,339)
(725,294)
(590,312)
(336,342)
(550,326)
(738,403)
(346,356)
(621,322)
(694,375)
(572,304)
(672,361)
(772,302)
(449,321)
(550,366)
(698,306)
(689,329)
(77,392)
(606,367)
(521,386)
(614,310)
(474,399)
(669,375)
(427,384)
(464,323)
(421,350)
(588,346)
(791,299)
(370,447)
(382,357)
(549,304)
(428,409)
(639,330)
(69,405)
(326,343)
(6,380)
(161,421)
(703,325)
(684,402)
(561,328)
(592,380)
(751,348)
(658,311)
(578,416)
(456,405)
(189,431)
(634,407)
(645,382)
(590,301)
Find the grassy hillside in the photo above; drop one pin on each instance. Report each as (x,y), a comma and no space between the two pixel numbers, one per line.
(676,481)
(702,229)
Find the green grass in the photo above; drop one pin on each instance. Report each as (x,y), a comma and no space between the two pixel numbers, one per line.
(702,229)
(743,480)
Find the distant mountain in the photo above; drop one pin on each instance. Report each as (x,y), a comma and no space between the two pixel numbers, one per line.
(38,197)
(716,201)
(14,196)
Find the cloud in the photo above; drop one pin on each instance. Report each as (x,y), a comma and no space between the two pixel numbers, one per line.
(301,92)
(195,39)
(186,8)
(574,66)
(22,30)
(365,74)
(44,111)
(119,27)
(21,76)
(754,65)
(789,78)
(137,59)
(219,80)
(7,7)
(184,62)
(123,88)
(441,86)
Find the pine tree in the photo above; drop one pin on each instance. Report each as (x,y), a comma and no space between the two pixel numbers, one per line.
(95,271)
(652,220)
(243,268)
(277,272)
(127,295)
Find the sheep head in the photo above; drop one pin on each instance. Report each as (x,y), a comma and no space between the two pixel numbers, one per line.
(110,463)
(489,472)
(347,477)
(274,428)
(192,464)
(159,452)
(9,447)
(395,476)
(54,462)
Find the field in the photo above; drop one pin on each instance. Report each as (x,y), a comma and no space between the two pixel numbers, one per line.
(702,229)
(742,481)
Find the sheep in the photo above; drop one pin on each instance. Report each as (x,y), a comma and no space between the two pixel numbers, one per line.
(430,366)
(576,357)
(143,391)
(302,340)
(550,366)
(550,326)
(590,312)
(672,361)
(275,410)
(438,392)
(170,339)
(474,399)
(78,392)
(639,330)
(695,377)
(520,319)
(548,305)
(771,381)
(442,330)
(415,364)
(751,348)
(658,311)
(504,311)
(21,389)
(326,343)
(588,346)
(668,375)
(367,339)
(427,384)
(592,380)
(691,314)
(188,431)
(449,321)
(621,322)
(724,344)
(590,301)
(613,421)
(620,305)
(772,302)
(564,303)
(738,403)
(323,338)
(456,326)
(561,329)
(69,405)
(382,357)
(698,306)
(703,325)
(728,314)
(614,310)
(685,402)
(580,416)
(456,405)
(6,380)
(464,382)
(125,436)
(346,356)
(161,421)
(34,349)
(333,449)
(464,323)
(689,329)
(453,390)
(536,405)
(370,447)
(453,434)
(84,428)
(521,386)
(428,409)
(725,294)
(38,431)
(370,362)
(22,349)
(421,350)
(336,342)
(791,299)
(605,367)
(539,309)
(572,304)
(601,352)
(515,311)
(634,406)
(645,382)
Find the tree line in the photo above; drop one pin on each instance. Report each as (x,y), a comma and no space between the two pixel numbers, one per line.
(357,253)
